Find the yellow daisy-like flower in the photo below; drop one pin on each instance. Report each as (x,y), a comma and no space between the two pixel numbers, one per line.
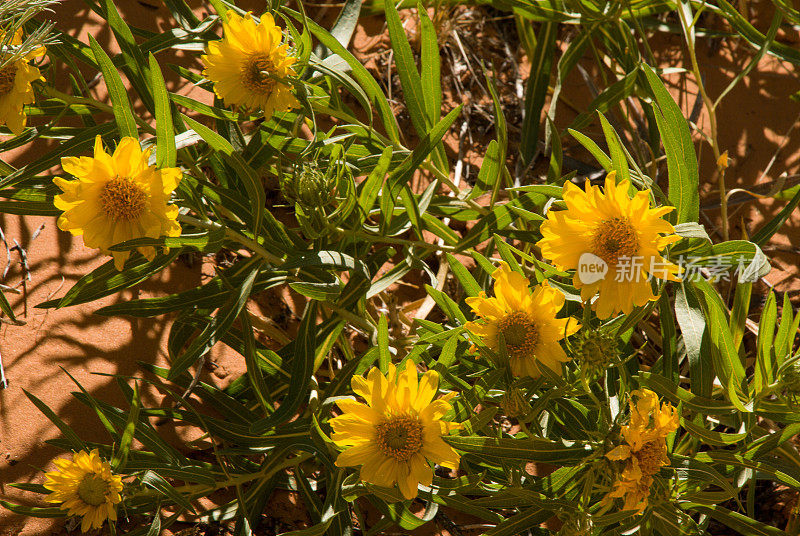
(86,487)
(615,229)
(646,449)
(116,198)
(398,432)
(15,85)
(249,66)
(526,319)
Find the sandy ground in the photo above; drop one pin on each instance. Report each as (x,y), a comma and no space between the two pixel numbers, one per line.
(754,121)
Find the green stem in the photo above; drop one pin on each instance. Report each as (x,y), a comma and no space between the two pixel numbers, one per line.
(257,248)
(712,118)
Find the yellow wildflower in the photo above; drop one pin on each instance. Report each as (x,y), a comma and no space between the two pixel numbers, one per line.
(526,319)
(398,432)
(116,198)
(86,487)
(646,449)
(613,230)
(249,66)
(15,85)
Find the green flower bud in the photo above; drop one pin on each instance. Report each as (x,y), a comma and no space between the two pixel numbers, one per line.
(595,349)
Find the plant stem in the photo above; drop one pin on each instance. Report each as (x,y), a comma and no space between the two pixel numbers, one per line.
(712,118)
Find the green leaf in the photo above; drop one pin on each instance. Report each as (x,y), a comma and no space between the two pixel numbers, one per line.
(106,280)
(302,368)
(134,65)
(618,159)
(217,326)
(384,357)
(765,345)
(684,177)
(69,434)
(320,529)
(766,232)
(206,242)
(123,114)
(360,73)
(371,186)
(159,483)
(728,365)
(521,523)
(33,511)
(601,157)
(461,273)
(739,522)
(719,439)
(407,71)
(166,152)
(678,395)
(121,455)
(528,449)
(536,88)
(690,318)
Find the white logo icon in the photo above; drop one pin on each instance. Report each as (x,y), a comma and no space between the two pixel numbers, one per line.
(591,268)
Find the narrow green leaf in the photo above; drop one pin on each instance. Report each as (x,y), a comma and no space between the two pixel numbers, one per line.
(384,357)
(602,158)
(302,368)
(690,318)
(219,325)
(135,66)
(123,113)
(106,279)
(407,71)
(531,449)
(536,88)
(766,232)
(765,345)
(461,273)
(739,522)
(684,177)
(121,455)
(166,152)
(159,483)
(618,159)
(69,434)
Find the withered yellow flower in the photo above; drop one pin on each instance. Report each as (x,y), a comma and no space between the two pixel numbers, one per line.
(527,321)
(15,85)
(86,487)
(610,228)
(250,67)
(398,432)
(645,451)
(117,197)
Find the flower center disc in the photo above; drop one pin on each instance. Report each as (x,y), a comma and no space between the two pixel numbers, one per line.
(7,76)
(615,238)
(650,457)
(92,489)
(257,74)
(520,334)
(400,437)
(123,199)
